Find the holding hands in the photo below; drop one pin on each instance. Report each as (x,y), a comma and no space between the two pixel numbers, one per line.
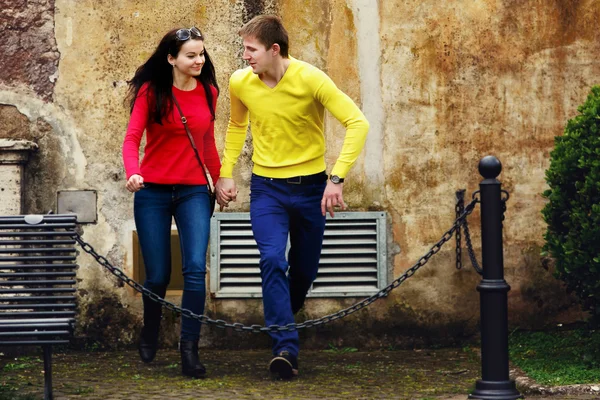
(226,191)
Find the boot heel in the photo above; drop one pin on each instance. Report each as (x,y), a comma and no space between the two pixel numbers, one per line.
(148,344)
(190,362)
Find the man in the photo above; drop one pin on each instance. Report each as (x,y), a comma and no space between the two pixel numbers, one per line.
(285,100)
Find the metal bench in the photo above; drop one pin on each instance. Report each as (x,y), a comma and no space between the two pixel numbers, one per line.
(37,278)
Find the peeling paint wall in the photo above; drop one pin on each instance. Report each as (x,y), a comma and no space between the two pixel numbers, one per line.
(465,79)
(28,46)
(443,84)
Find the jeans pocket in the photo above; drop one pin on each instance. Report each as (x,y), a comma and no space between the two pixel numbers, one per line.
(258,186)
(140,195)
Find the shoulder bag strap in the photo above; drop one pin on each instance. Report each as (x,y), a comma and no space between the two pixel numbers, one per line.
(189,135)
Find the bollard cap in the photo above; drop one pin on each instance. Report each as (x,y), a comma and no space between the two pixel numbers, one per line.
(490,167)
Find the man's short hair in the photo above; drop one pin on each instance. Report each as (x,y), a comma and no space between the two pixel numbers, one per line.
(267,29)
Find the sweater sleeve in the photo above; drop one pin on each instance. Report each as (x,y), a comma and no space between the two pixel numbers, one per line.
(135,130)
(211,155)
(347,112)
(236,130)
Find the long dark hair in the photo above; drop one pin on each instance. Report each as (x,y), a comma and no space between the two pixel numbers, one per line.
(158,73)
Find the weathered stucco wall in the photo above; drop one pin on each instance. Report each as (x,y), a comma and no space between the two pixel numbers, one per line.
(443,84)
(464,79)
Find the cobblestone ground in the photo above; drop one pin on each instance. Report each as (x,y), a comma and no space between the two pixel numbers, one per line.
(404,374)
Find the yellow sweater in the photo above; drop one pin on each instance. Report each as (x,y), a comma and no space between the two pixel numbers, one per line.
(287,122)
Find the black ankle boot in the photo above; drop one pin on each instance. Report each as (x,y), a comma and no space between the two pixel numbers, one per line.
(152,316)
(148,343)
(190,363)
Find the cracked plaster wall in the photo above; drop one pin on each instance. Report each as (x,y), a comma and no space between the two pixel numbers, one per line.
(442,83)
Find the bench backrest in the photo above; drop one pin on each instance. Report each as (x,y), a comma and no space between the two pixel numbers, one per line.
(37,278)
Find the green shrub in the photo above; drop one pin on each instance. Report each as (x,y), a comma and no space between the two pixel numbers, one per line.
(573,209)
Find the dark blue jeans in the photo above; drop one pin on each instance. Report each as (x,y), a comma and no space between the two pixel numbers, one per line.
(154,206)
(276,209)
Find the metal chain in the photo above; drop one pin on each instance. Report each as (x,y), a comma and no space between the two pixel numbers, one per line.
(504,201)
(459,208)
(289,327)
(460,201)
(465,227)
(470,250)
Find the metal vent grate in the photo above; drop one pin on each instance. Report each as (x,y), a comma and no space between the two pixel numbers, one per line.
(37,279)
(353,260)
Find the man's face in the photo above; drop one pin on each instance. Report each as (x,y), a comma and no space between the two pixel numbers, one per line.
(257,55)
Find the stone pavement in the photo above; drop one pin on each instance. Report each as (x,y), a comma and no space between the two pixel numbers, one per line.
(336,374)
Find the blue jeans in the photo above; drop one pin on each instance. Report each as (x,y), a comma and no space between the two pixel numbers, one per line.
(154,206)
(276,209)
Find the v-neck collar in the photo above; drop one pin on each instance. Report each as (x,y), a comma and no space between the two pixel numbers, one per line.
(286,73)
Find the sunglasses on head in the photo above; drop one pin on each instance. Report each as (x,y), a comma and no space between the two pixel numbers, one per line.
(185,34)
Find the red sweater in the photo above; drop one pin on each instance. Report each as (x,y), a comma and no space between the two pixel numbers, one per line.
(168,155)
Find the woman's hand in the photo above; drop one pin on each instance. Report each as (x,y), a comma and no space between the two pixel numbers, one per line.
(135,183)
(226,191)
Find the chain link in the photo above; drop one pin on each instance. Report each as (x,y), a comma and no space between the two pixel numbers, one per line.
(293,326)
(465,227)
(460,200)
(459,208)
(470,250)
(504,201)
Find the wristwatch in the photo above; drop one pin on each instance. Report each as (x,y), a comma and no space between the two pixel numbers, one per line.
(336,179)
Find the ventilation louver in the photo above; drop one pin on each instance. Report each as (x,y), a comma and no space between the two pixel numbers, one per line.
(353,259)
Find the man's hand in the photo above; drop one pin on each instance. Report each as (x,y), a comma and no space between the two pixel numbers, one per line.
(226,191)
(134,183)
(332,197)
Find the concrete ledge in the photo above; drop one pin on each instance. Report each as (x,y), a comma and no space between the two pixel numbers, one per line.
(528,386)
(16,151)
(17,145)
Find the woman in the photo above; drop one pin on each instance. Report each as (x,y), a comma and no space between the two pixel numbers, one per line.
(170,181)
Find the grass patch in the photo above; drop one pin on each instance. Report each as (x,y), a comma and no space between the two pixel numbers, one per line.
(333,349)
(16,366)
(77,389)
(8,392)
(21,363)
(558,357)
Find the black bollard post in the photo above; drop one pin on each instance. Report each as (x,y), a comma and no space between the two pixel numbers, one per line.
(495,383)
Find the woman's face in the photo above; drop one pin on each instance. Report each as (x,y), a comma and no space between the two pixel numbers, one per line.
(190,59)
